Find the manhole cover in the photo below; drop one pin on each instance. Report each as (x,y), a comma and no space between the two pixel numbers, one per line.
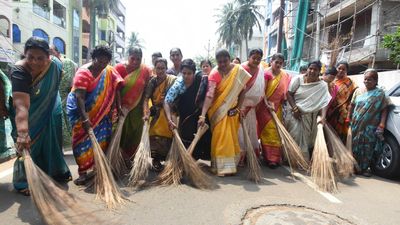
(290,214)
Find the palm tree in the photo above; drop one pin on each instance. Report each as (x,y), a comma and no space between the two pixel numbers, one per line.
(135,41)
(228,32)
(247,17)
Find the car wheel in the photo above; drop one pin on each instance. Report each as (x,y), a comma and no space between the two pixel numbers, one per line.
(388,163)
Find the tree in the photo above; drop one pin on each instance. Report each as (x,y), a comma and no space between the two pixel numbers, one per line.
(247,17)
(392,43)
(135,41)
(228,32)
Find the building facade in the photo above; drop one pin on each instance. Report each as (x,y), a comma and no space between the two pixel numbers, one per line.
(7,54)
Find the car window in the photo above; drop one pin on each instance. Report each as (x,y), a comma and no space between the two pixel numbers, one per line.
(396,92)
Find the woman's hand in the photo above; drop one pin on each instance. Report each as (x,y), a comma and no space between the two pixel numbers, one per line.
(146,115)
(270,105)
(296,113)
(171,124)
(321,120)
(201,121)
(87,125)
(23,142)
(379,132)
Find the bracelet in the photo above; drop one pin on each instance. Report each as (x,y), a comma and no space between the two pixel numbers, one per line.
(23,135)
(381,126)
(295,109)
(87,120)
(202,117)
(347,120)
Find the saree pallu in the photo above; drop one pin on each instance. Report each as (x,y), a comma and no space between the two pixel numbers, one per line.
(254,94)
(275,92)
(46,146)
(310,98)
(131,99)
(368,106)
(159,132)
(100,93)
(339,107)
(225,147)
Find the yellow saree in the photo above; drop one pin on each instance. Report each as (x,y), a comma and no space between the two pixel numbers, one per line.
(225,149)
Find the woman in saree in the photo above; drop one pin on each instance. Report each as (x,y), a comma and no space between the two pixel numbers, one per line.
(339,107)
(136,76)
(308,96)
(37,117)
(253,94)
(206,66)
(95,91)
(223,101)
(368,112)
(160,134)
(277,84)
(183,95)
(329,77)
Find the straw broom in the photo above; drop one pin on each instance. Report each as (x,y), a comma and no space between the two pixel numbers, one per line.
(190,166)
(173,170)
(105,186)
(142,159)
(349,140)
(291,149)
(344,160)
(114,154)
(200,132)
(252,162)
(322,171)
(56,205)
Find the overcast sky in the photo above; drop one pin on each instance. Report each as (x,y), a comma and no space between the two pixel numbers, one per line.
(187,24)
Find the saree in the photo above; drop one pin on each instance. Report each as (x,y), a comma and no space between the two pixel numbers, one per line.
(338,113)
(46,144)
(310,98)
(132,99)
(254,94)
(225,149)
(5,93)
(100,94)
(159,132)
(368,106)
(275,92)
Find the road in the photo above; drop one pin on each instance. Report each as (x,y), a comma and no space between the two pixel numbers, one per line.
(281,197)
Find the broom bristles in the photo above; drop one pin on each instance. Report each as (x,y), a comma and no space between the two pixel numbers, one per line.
(252,161)
(344,160)
(291,149)
(142,159)
(322,171)
(349,140)
(173,171)
(114,154)
(191,168)
(105,186)
(56,205)
(200,132)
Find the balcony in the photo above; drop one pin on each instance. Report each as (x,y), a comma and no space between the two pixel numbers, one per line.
(119,9)
(59,14)
(120,41)
(41,11)
(59,21)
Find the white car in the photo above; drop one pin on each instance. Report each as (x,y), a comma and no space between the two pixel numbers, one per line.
(388,163)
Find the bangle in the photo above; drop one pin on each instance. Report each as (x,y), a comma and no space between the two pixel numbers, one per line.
(347,120)
(23,135)
(381,126)
(87,120)
(202,117)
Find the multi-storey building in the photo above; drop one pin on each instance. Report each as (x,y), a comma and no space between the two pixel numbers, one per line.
(7,54)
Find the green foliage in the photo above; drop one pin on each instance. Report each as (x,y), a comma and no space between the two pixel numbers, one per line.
(392,42)
(135,41)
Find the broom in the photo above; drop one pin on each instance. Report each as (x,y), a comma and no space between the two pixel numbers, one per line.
(349,140)
(252,162)
(114,155)
(56,205)
(344,160)
(322,171)
(142,160)
(291,149)
(173,171)
(105,185)
(200,132)
(191,168)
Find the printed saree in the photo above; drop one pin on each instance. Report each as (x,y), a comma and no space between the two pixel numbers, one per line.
(275,92)
(225,147)
(100,94)
(368,106)
(46,146)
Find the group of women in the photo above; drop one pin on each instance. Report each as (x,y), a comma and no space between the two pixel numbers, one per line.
(226,97)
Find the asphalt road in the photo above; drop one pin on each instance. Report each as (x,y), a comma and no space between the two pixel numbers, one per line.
(281,197)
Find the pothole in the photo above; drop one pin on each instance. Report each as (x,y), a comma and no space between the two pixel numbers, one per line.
(284,214)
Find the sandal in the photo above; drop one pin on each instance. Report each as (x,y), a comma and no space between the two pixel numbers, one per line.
(81,180)
(25,192)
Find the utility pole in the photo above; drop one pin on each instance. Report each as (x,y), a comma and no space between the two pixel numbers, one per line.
(280,28)
(317,33)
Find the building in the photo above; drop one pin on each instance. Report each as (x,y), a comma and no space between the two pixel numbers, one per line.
(118,13)
(54,20)
(7,54)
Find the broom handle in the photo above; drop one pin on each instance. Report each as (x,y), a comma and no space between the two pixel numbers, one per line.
(200,132)
(178,139)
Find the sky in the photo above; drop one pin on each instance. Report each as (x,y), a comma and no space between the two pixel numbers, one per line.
(164,24)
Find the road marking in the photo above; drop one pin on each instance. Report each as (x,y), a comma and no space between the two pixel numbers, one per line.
(312,185)
(6,172)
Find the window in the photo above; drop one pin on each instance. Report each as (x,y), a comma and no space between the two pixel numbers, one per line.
(59,14)
(41,8)
(40,33)
(4,26)
(16,34)
(60,44)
